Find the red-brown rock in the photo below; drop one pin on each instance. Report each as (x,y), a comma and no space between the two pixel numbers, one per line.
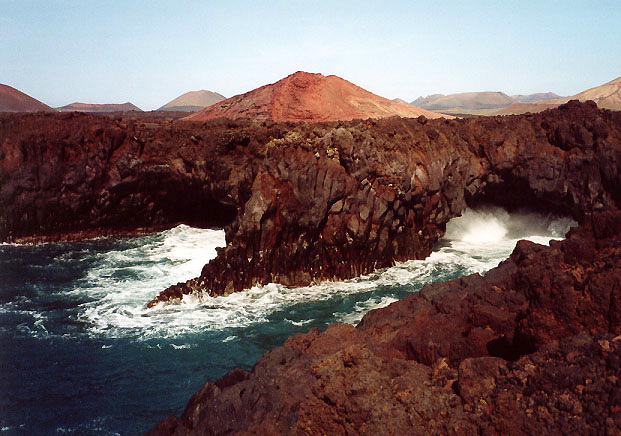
(299,202)
(304,202)
(309,97)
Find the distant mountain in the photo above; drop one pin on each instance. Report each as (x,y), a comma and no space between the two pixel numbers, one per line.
(90,107)
(607,96)
(464,100)
(308,97)
(193,101)
(400,100)
(530,98)
(13,100)
(521,108)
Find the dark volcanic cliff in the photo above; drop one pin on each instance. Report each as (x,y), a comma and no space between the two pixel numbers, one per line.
(301,202)
(339,201)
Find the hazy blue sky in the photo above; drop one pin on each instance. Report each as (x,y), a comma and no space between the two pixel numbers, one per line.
(149,52)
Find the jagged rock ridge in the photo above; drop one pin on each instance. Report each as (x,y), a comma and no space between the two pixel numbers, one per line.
(301,202)
(337,203)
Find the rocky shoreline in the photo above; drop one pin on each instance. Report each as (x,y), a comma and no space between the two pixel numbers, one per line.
(299,202)
(340,202)
(533,347)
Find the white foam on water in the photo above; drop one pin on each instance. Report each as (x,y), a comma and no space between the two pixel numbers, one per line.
(183,346)
(489,235)
(362,307)
(12,427)
(123,280)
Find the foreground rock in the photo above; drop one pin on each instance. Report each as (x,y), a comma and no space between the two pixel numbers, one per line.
(533,347)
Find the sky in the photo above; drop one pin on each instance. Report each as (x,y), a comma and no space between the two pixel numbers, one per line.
(150,52)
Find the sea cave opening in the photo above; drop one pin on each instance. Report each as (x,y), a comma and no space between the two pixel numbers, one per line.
(516,194)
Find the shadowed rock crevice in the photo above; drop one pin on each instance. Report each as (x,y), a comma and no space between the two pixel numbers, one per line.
(163,201)
(513,194)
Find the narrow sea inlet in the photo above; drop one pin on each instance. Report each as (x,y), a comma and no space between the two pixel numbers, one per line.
(80,354)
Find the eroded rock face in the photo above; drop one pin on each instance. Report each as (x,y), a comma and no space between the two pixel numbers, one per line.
(301,202)
(336,202)
(79,175)
(532,347)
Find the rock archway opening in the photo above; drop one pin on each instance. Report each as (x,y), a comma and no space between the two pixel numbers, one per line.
(166,202)
(196,206)
(517,195)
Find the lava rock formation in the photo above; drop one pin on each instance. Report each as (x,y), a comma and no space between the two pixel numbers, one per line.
(300,202)
(531,347)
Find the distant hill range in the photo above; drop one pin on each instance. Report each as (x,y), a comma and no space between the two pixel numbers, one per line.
(308,97)
(193,101)
(476,103)
(100,108)
(13,100)
(540,96)
(465,100)
(607,96)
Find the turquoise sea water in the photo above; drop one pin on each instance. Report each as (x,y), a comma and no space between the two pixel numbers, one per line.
(80,354)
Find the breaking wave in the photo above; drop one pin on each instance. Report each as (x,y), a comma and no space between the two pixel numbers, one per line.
(120,276)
